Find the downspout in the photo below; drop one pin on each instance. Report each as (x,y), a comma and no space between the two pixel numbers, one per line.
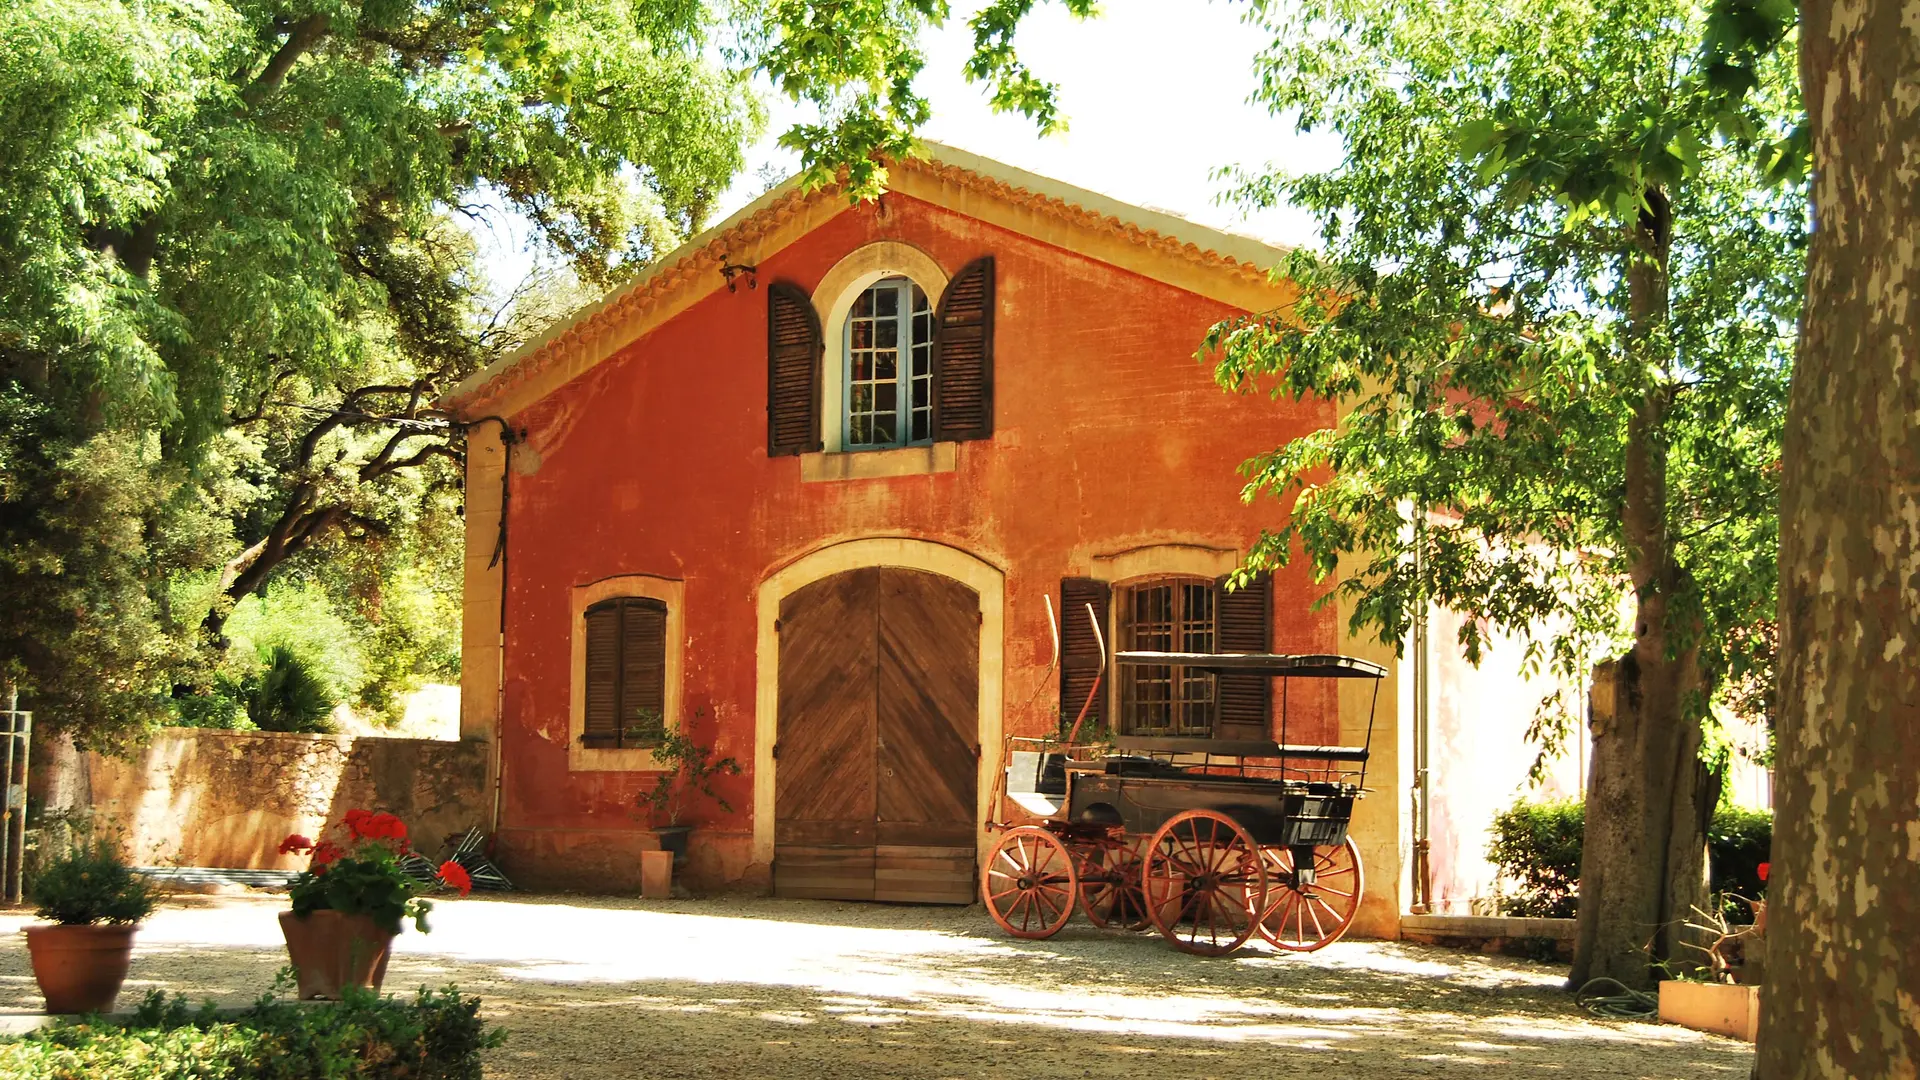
(498,764)
(1422,843)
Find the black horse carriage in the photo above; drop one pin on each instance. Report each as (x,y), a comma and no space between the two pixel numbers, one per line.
(1207,840)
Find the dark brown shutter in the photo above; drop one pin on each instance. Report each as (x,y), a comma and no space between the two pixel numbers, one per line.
(1080,649)
(643,670)
(603,675)
(794,352)
(1246,626)
(963,355)
(626,672)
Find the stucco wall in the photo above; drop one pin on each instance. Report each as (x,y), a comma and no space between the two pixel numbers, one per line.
(1109,438)
(197,797)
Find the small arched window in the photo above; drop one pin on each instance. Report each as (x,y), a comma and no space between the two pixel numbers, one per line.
(888,367)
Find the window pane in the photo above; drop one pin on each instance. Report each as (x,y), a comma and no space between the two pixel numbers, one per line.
(860,429)
(885,426)
(863,306)
(863,398)
(919,301)
(886,333)
(920,387)
(886,364)
(862,334)
(886,300)
(886,397)
(922,419)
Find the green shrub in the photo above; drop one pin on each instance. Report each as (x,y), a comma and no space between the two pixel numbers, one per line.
(1739,841)
(88,883)
(288,694)
(437,1036)
(1537,847)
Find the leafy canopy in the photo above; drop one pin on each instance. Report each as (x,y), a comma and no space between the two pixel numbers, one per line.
(1474,308)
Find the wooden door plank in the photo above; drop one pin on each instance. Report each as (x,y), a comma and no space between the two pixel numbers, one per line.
(927,714)
(924,875)
(824,794)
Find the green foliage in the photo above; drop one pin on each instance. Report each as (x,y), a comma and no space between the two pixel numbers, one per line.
(363,877)
(439,1035)
(300,619)
(1492,352)
(88,524)
(689,768)
(89,883)
(1537,847)
(1738,841)
(287,695)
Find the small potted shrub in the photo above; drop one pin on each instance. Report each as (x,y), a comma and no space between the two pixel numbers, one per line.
(350,902)
(95,902)
(688,770)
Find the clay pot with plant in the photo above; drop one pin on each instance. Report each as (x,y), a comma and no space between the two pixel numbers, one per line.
(95,903)
(688,769)
(350,903)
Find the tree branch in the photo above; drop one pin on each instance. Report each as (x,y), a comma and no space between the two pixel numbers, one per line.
(301,37)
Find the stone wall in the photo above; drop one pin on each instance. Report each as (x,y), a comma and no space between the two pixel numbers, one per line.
(198,797)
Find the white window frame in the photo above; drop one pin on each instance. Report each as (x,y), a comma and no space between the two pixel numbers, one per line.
(906,345)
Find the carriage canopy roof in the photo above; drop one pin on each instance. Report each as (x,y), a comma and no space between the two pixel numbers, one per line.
(1308,665)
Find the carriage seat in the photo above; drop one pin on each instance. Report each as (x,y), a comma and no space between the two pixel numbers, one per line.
(1243,748)
(1037,782)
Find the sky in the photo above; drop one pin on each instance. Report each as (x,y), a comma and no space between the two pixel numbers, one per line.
(1155,97)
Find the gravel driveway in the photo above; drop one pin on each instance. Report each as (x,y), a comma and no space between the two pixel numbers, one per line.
(593,988)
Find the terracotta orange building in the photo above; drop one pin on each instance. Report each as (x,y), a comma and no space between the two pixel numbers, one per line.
(807,489)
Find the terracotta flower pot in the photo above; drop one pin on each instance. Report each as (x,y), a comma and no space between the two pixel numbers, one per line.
(330,951)
(80,968)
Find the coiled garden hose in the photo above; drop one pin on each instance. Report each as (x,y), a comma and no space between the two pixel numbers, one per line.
(1625,1004)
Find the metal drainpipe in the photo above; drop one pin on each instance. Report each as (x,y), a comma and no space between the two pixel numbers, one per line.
(499,761)
(1422,845)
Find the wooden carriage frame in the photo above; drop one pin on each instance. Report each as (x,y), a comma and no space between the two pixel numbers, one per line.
(1209,841)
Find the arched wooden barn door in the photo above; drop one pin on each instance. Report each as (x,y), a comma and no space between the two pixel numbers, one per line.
(877,752)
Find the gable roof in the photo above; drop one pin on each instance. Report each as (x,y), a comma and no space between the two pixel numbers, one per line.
(1211,262)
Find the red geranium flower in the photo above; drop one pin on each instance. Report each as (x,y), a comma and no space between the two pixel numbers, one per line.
(295,843)
(456,876)
(1763,870)
(355,821)
(323,853)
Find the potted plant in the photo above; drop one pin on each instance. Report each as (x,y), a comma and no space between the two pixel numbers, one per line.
(348,905)
(688,769)
(95,902)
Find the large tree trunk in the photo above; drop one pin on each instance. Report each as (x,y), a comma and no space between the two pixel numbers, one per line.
(1643,859)
(1843,967)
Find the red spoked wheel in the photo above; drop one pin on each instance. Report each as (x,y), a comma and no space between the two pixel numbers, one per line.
(1029,883)
(1203,880)
(1110,895)
(1304,916)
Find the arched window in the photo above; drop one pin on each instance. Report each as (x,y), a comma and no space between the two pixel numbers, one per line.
(887,371)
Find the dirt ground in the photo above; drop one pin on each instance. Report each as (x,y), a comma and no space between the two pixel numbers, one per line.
(750,988)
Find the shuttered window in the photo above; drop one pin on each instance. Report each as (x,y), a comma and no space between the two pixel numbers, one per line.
(794,355)
(1193,615)
(1163,699)
(889,367)
(626,673)
(963,355)
(1080,649)
(1245,626)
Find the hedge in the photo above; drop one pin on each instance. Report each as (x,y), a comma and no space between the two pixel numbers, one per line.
(437,1036)
(1537,847)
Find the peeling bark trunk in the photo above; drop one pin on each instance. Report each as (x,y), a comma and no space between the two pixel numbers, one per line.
(1643,860)
(1843,963)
